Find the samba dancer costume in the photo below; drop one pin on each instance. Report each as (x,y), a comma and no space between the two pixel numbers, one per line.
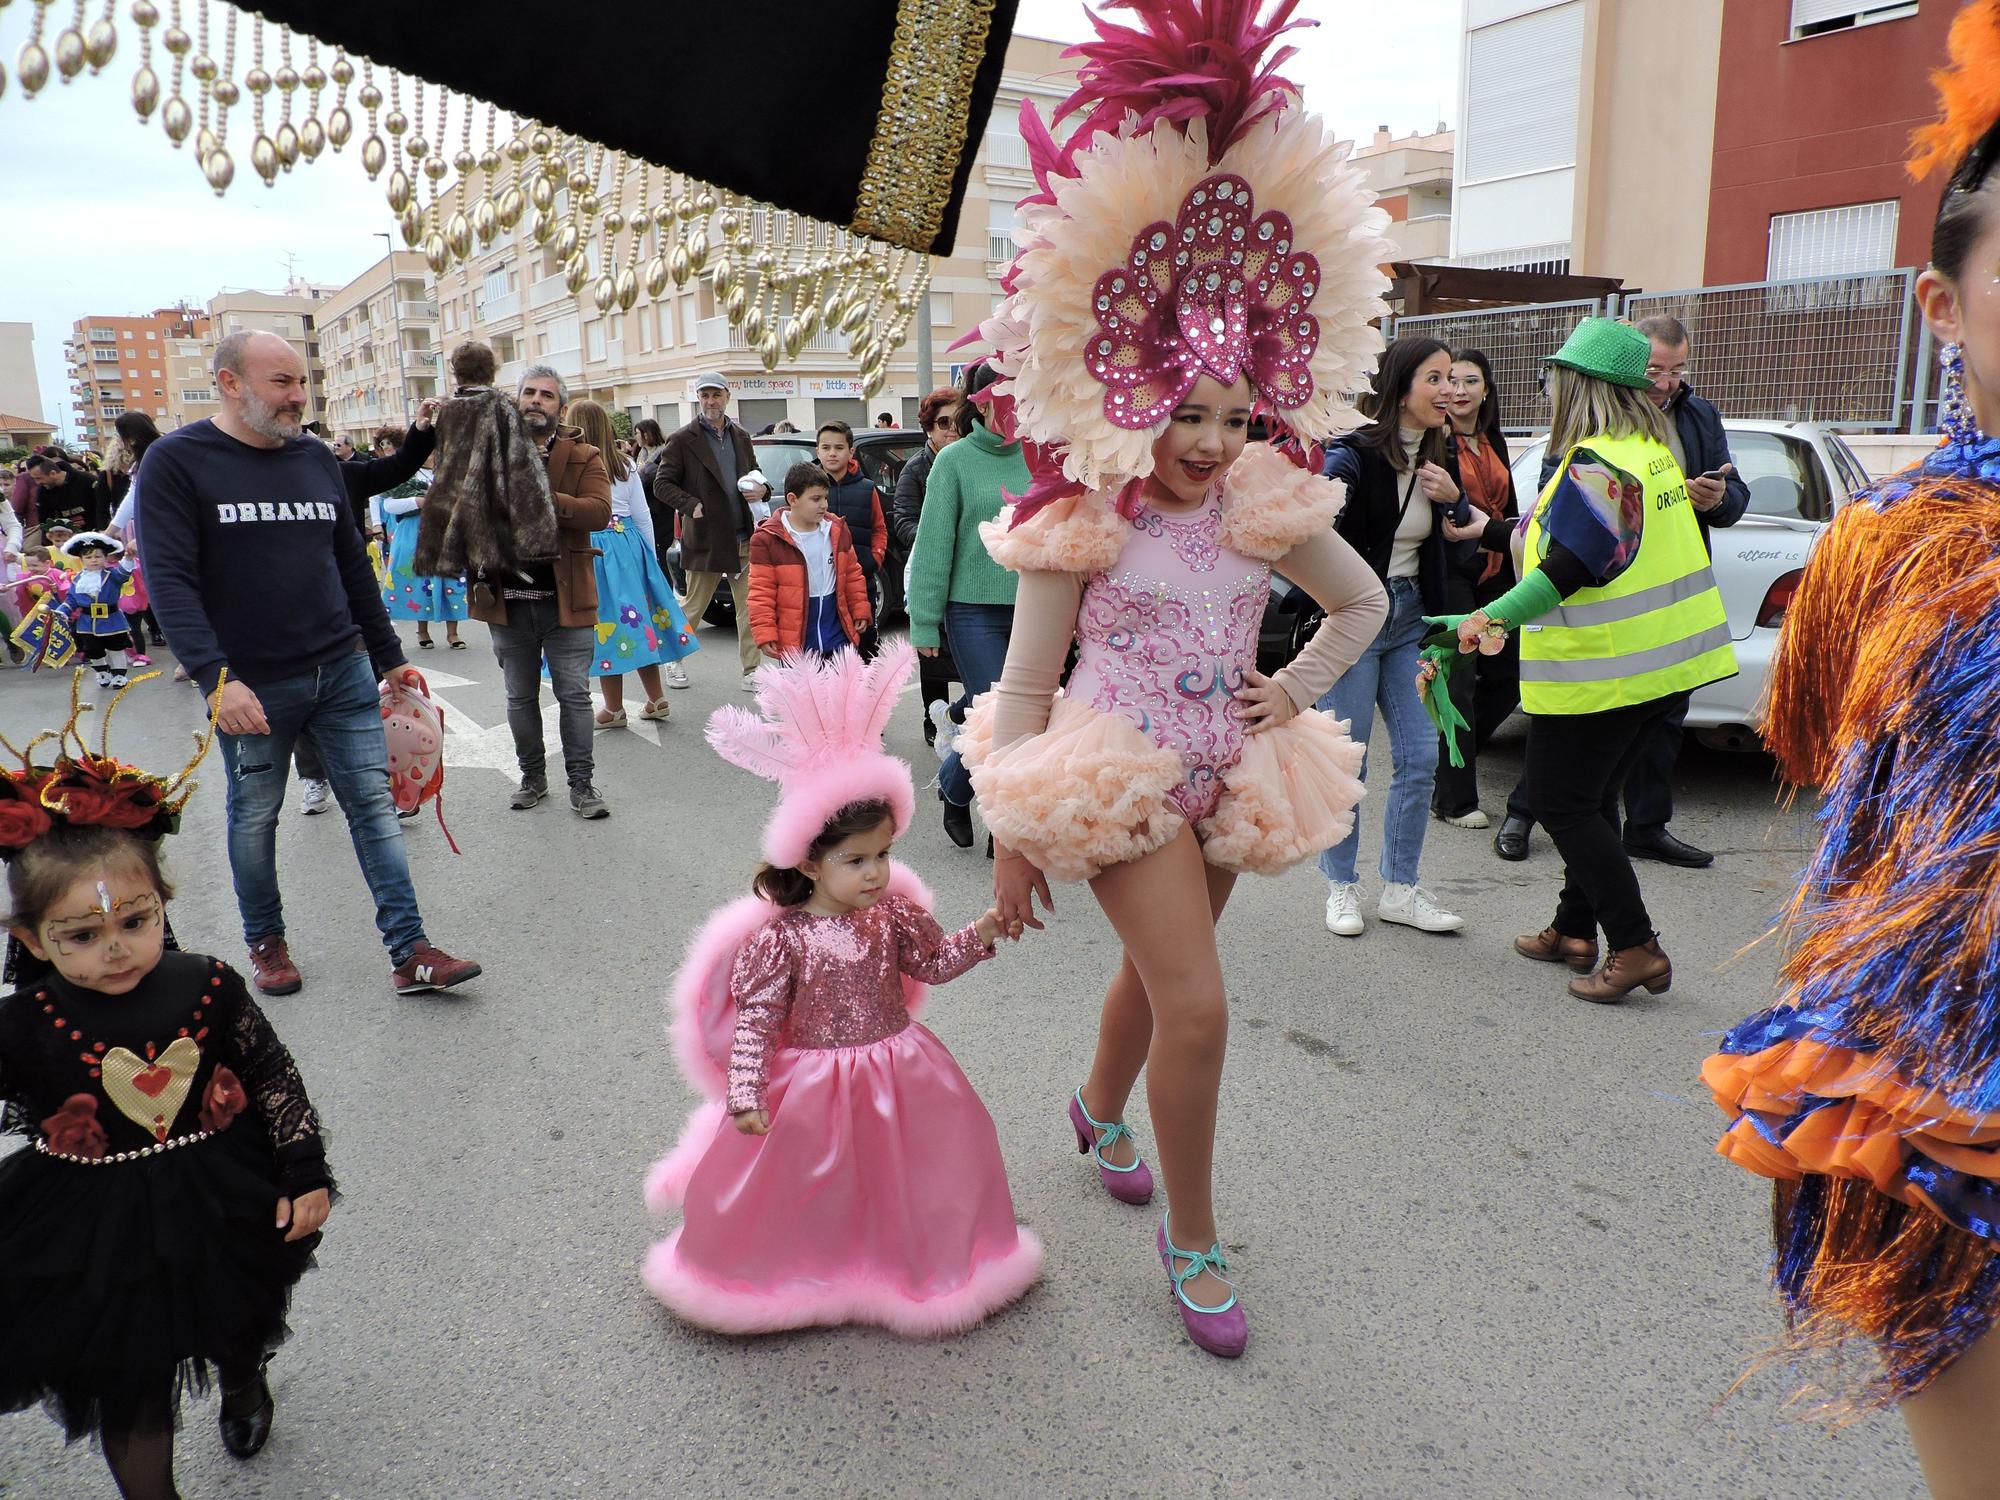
(1196,222)
(136,1239)
(1872,1093)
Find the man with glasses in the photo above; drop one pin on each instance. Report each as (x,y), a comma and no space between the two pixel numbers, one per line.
(1720,497)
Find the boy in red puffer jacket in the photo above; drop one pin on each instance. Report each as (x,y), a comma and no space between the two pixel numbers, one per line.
(807,590)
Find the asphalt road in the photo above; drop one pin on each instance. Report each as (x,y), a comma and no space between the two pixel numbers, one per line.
(1484,1240)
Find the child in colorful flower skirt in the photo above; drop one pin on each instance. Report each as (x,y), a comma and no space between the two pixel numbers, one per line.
(176,1181)
(843,1170)
(640,626)
(408,594)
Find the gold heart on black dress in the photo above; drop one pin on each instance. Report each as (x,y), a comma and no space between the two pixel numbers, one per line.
(150,1094)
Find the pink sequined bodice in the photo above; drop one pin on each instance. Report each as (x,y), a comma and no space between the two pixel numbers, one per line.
(806,980)
(1164,636)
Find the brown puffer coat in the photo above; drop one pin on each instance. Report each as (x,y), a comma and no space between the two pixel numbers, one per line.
(780,592)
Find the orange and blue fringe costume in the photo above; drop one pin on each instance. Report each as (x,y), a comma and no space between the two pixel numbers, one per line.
(1872,1094)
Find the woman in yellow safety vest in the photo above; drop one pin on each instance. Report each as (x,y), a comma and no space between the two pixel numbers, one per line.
(1619,622)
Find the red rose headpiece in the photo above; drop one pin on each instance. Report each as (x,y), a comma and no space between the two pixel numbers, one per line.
(91,789)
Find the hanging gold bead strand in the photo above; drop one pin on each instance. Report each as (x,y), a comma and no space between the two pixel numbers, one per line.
(202,66)
(32,66)
(339,123)
(458,228)
(176,117)
(605,293)
(263,150)
(287,79)
(100,43)
(145,82)
(219,169)
(486,211)
(513,201)
(69,45)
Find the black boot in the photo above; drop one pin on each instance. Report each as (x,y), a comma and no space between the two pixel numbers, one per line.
(957,822)
(1511,842)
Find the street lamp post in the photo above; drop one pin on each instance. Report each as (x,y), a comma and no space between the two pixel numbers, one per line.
(396,320)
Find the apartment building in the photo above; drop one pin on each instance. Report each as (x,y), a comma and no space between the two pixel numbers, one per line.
(191,393)
(291,314)
(1706,142)
(644,361)
(119,364)
(20,386)
(378,339)
(1411,178)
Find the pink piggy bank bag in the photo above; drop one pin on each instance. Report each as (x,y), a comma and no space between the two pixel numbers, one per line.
(413,726)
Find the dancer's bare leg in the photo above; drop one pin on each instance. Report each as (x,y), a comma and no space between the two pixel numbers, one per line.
(613,691)
(1952,1422)
(1125,1033)
(1161,908)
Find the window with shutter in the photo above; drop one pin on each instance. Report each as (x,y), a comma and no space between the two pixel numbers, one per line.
(1832,241)
(1817,17)
(1522,84)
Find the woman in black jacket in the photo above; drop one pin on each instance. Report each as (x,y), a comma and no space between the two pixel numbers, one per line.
(1486,689)
(1402,485)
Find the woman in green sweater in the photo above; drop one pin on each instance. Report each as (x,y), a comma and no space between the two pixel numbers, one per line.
(955,584)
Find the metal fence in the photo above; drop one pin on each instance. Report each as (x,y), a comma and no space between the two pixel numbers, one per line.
(1828,349)
(1515,341)
(1847,350)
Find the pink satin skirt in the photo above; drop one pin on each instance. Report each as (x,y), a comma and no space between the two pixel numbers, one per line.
(877,1197)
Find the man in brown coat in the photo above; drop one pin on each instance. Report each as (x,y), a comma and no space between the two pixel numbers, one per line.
(697,475)
(549,610)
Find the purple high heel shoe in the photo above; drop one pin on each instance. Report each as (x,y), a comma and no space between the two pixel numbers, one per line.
(1128,1184)
(1222,1330)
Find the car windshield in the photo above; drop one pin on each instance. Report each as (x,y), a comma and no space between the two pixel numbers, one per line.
(883,462)
(1852,475)
(777,454)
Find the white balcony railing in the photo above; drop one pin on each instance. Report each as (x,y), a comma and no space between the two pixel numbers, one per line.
(715,336)
(548,289)
(500,309)
(417,309)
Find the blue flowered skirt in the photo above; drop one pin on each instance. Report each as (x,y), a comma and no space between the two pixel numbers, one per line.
(639,621)
(409,596)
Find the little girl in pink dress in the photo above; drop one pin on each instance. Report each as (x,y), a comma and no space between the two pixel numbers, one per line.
(843,1170)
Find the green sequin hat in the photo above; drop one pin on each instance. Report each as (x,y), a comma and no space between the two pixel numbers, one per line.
(1608,350)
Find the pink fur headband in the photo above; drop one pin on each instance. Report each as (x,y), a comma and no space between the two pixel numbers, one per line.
(818,735)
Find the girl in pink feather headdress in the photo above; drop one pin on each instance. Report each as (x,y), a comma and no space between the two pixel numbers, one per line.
(1198,254)
(843,1170)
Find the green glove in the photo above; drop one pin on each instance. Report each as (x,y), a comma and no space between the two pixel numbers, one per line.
(1444,630)
(1530,599)
(1436,694)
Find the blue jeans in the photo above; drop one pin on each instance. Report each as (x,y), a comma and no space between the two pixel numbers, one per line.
(339,707)
(978,635)
(1386,675)
(534,633)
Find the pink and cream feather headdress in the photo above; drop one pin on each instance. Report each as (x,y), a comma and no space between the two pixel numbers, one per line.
(1196,220)
(818,735)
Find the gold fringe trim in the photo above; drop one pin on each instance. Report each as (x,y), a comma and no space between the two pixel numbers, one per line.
(920,133)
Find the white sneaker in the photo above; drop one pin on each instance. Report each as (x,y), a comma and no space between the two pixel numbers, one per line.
(749,682)
(318,795)
(1412,906)
(1343,909)
(676,675)
(947,732)
(1475,819)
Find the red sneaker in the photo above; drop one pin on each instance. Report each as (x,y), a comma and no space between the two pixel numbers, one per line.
(272,968)
(431,968)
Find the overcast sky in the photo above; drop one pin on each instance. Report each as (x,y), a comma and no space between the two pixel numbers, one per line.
(109,218)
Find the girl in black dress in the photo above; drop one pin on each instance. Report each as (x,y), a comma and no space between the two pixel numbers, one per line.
(176,1183)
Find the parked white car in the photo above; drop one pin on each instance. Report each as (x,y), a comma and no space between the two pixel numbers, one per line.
(1799,474)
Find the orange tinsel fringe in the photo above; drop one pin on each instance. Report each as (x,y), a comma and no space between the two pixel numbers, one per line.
(1844,654)
(1893,1272)
(1969,90)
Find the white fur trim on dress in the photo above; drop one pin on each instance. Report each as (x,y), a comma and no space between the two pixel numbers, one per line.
(992,1285)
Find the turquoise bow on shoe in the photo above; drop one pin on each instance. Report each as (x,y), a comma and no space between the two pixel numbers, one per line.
(1197,1262)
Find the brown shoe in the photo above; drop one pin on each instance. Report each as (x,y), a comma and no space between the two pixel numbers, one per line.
(272,968)
(1550,947)
(1625,971)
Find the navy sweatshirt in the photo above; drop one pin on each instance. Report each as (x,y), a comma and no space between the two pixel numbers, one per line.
(253,561)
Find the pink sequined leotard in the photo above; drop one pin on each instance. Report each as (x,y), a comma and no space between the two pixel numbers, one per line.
(814,981)
(1164,635)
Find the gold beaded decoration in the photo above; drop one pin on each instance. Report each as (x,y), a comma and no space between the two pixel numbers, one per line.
(619,228)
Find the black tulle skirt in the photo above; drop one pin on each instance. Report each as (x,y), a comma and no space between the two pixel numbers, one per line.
(122,1281)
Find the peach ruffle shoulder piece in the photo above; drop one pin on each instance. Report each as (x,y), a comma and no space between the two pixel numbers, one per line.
(1077,534)
(1270,505)
(1291,794)
(1088,792)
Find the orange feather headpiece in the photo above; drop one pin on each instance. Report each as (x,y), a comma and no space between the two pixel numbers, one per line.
(1969,90)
